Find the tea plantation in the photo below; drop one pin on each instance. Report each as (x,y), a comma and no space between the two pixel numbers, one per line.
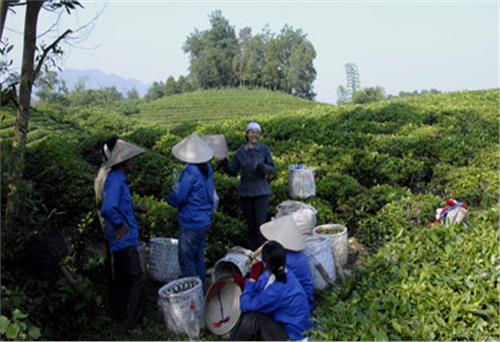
(381,169)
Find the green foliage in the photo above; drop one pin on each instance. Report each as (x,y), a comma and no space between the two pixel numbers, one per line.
(421,286)
(367,95)
(17,329)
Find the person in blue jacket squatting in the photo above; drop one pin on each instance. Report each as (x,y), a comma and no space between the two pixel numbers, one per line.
(287,233)
(273,304)
(122,233)
(255,163)
(194,198)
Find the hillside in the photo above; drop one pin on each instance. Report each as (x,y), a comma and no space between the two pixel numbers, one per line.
(381,169)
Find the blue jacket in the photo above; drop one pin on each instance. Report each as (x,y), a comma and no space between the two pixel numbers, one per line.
(194,197)
(253,180)
(286,302)
(298,263)
(117,210)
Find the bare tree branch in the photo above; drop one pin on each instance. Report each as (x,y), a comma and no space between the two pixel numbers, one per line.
(46,52)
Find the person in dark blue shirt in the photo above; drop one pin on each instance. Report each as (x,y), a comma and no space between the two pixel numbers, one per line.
(122,233)
(273,304)
(194,198)
(287,233)
(254,162)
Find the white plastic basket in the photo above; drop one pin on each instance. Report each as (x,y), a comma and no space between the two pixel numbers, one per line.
(182,304)
(319,252)
(337,234)
(163,259)
(301,182)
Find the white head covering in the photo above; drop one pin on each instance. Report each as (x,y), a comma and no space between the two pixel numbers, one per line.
(193,150)
(285,231)
(121,152)
(255,126)
(217,143)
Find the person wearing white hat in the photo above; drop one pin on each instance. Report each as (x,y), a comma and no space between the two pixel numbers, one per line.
(286,232)
(194,198)
(273,303)
(255,163)
(122,232)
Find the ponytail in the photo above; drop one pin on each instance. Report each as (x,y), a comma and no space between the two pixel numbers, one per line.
(274,255)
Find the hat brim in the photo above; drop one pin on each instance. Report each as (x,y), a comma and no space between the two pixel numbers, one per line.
(285,231)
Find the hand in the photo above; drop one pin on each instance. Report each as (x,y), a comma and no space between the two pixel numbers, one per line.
(256,270)
(262,168)
(120,232)
(238,279)
(141,209)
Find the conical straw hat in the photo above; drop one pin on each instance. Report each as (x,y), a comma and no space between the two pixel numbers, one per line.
(218,144)
(123,151)
(222,306)
(285,231)
(192,149)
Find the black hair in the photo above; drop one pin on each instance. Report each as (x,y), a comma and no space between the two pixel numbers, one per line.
(108,143)
(203,167)
(274,256)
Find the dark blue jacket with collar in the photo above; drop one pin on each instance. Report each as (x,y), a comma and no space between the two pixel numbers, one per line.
(254,164)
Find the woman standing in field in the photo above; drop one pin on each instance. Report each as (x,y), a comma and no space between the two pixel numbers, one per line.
(194,198)
(254,162)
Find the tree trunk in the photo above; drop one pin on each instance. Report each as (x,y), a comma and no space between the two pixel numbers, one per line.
(23,111)
(4,6)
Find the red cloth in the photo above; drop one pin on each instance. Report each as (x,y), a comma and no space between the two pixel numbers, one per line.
(238,279)
(256,270)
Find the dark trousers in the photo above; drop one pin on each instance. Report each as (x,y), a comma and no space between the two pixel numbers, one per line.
(255,326)
(127,287)
(192,252)
(255,212)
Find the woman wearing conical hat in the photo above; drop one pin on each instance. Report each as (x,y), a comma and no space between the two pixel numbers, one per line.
(194,198)
(287,233)
(122,233)
(254,162)
(273,303)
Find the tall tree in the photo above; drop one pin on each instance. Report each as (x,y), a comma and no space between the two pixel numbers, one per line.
(170,86)
(352,75)
(212,53)
(28,75)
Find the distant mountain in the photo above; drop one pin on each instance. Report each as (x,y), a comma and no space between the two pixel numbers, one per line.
(95,79)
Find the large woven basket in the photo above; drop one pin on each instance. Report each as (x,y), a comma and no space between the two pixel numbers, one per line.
(163,263)
(182,304)
(338,239)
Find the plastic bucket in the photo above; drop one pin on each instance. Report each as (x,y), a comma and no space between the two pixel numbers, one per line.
(338,239)
(237,260)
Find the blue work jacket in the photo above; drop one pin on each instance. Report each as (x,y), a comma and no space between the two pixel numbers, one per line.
(285,302)
(298,263)
(117,210)
(194,197)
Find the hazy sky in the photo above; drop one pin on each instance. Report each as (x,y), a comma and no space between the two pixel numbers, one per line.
(399,45)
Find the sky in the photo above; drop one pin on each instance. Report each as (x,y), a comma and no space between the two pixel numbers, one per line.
(398,45)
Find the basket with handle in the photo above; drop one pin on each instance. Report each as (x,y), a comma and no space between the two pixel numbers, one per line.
(338,239)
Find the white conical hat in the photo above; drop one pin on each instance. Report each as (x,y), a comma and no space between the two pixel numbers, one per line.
(193,150)
(285,231)
(123,151)
(218,144)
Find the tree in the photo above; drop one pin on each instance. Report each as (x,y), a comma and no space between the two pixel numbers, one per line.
(342,95)
(170,86)
(29,74)
(352,75)
(50,88)
(212,53)
(133,95)
(156,91)
(301,72)
(367,95)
